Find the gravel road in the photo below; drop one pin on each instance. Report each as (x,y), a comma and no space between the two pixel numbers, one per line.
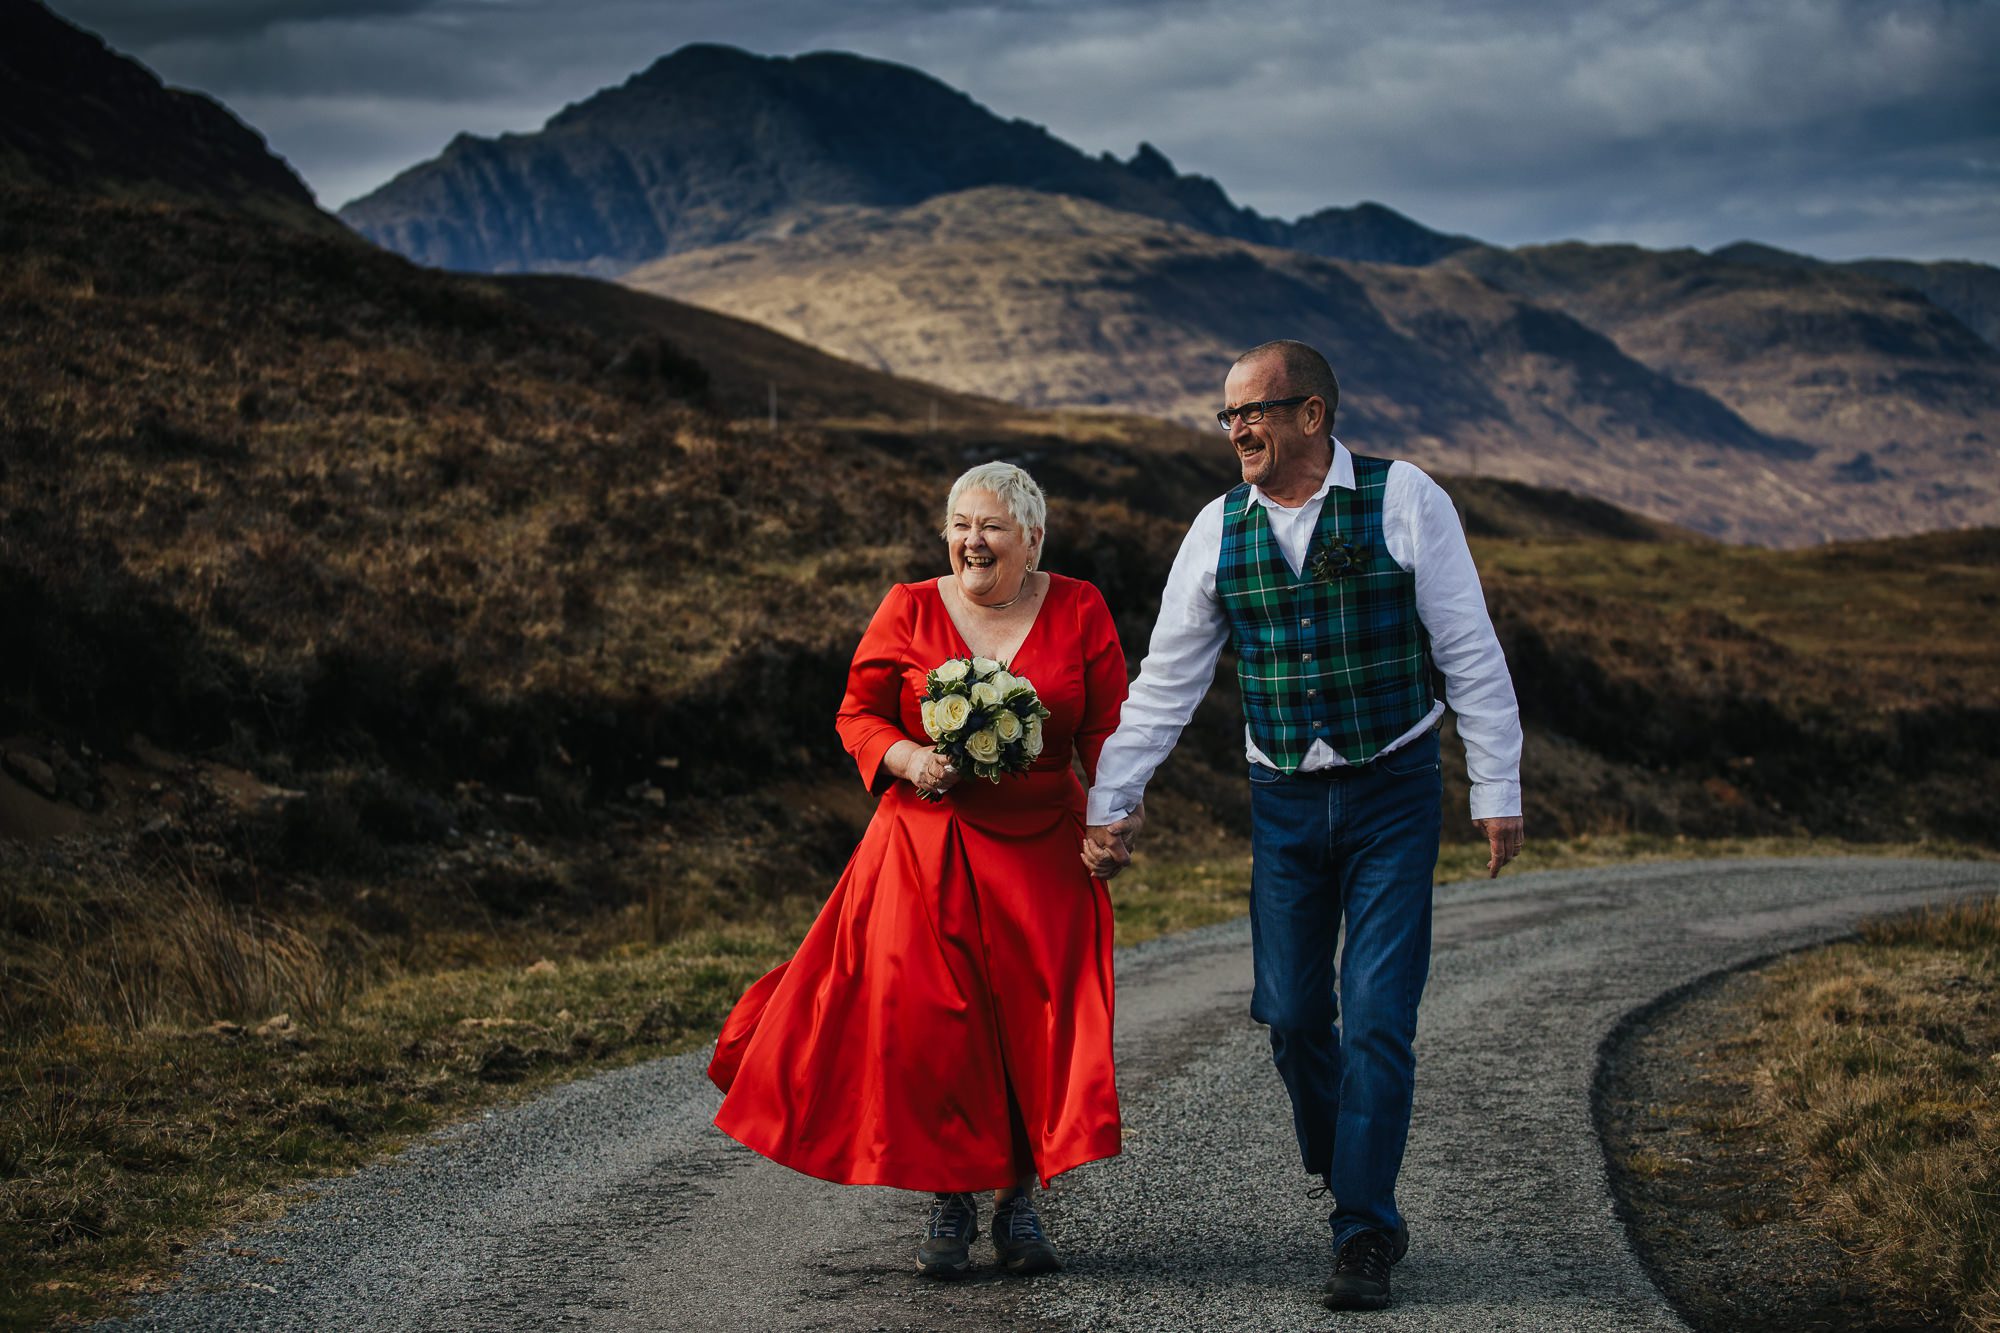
(612,1203)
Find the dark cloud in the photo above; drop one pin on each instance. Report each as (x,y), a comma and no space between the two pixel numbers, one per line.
(147,22)
(1840,127)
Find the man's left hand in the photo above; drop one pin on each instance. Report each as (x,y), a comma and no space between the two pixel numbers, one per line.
(1505,836)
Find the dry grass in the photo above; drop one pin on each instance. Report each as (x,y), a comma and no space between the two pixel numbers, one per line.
(1879,1063)
(127,954)
(122,1146)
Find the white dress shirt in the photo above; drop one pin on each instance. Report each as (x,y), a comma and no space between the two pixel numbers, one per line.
(1421,532)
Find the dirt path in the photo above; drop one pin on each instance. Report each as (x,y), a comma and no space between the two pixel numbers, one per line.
(612,1203)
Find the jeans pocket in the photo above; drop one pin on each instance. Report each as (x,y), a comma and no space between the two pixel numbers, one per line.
(1419,756)
(1261,776)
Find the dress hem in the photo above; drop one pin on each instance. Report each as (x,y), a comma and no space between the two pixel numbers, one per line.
(1106,1143)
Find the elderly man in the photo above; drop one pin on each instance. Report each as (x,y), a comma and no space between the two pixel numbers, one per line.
(1340,581)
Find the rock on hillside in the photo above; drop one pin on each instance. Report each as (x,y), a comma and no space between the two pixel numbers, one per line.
(1061,302)
(76,115)
(713,144)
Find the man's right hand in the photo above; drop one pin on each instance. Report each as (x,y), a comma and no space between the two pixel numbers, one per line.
(1107,848)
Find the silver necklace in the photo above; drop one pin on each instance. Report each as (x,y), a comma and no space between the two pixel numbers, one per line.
(1021,592)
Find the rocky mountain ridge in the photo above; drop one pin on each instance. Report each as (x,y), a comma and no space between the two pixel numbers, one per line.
(713,144)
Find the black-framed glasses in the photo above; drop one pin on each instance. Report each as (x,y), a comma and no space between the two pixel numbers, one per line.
(1252,413)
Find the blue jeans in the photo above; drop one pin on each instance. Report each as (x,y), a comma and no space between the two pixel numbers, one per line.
(1363,847)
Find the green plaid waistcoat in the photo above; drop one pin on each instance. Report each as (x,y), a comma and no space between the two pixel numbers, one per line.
(1341,658)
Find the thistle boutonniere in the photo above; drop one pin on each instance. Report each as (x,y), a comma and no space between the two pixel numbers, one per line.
(1337,557)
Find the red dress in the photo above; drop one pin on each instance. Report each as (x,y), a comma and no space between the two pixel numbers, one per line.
(965,954)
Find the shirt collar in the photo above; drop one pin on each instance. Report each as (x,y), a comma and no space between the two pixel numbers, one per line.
(1339,473)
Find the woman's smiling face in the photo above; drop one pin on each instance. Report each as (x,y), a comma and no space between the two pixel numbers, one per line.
(989,551)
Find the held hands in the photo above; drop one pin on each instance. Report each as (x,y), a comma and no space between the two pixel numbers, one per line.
(1107,848)
(1505,836)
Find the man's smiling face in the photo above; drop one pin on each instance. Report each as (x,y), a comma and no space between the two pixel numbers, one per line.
(1277,454)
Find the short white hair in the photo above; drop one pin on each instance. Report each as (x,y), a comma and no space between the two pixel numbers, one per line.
(1016,489)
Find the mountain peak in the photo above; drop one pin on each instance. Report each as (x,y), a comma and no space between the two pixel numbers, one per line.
(1759,255)
(699,55)
(1149,163)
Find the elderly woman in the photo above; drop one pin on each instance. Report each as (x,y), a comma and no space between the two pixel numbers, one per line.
(946,1024)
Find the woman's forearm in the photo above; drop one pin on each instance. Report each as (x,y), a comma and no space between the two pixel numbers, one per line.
(899,757)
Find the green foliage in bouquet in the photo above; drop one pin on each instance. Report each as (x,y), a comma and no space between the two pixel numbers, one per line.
(985,720)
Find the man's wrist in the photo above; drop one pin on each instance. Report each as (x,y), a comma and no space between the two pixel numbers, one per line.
(1098,816)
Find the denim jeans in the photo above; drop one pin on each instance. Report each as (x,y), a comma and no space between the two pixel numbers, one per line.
(1360,847)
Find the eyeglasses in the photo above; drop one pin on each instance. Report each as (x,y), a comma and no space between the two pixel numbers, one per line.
(1252,413)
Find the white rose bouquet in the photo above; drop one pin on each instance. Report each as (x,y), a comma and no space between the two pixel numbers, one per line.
(986,720)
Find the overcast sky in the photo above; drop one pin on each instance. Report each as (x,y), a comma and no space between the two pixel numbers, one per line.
(1841,128)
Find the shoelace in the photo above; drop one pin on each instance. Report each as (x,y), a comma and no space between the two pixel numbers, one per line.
(1367,1254)
(1020,1219)
(951,1217)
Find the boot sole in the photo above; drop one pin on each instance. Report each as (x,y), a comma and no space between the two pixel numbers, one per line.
(1033,1263)
(1354,1300)
(944,1270)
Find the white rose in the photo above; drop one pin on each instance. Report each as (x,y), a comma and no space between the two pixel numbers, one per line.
(984,667)
(1033,745)
(1008,728)
(930,717)
(985,695)
(983,746)
(952,712)
(1005,681)
(952,671)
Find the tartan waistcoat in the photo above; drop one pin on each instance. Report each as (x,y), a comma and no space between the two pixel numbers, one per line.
(1339,657)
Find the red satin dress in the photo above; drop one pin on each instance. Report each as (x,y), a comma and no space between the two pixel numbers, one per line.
(946,1025)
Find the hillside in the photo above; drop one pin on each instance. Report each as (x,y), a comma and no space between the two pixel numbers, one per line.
(1054,302)
(355,523)
(74,115)
(712,144)
(1901,398)
(875,212)
(317,561)
(1969,292)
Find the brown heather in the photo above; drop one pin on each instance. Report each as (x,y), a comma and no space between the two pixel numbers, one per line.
(446,666)
(1879,1067)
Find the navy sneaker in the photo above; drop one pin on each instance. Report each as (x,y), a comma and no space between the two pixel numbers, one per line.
(1019,1240)
(946,1249)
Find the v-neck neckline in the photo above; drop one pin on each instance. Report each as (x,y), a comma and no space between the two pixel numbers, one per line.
(944,603)
(1302,576)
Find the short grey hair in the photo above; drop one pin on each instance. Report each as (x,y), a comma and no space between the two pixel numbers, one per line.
(1306,371)
(1016,489)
